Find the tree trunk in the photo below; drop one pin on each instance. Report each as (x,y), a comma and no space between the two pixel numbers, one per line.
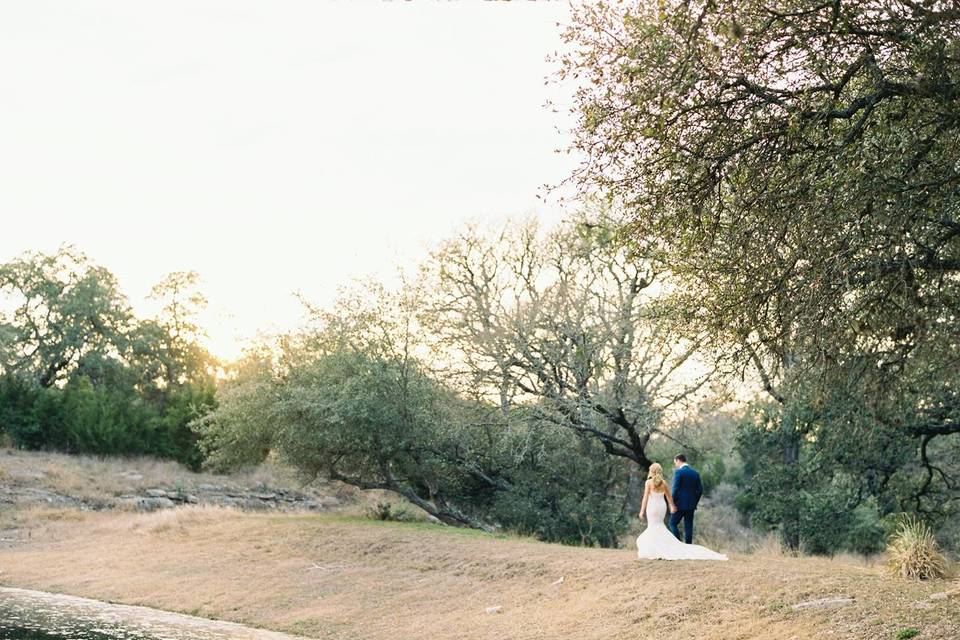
(445,513)
(791,518)
(635,478)
(436,506)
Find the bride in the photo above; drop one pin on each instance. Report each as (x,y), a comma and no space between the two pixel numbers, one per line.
(656,542)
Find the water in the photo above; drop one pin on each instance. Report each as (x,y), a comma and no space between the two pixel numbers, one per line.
(77,631)
(25,617)
(34,615)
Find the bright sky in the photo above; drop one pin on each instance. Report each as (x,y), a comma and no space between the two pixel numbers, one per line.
(272,147)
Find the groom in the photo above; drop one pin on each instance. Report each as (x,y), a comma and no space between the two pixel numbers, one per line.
(687,490)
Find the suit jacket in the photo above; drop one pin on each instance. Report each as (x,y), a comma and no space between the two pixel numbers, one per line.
(687,488)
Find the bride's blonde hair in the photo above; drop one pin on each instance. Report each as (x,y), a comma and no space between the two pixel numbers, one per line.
(656,474)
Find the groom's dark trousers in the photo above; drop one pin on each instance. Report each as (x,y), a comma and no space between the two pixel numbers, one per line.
(687,516)
(687,490)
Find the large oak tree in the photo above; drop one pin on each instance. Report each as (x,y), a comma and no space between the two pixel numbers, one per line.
(797,164)
(565,322)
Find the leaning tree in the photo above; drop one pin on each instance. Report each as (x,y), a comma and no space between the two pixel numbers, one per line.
(349,399)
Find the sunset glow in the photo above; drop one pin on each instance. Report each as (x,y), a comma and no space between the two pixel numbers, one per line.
(272,149)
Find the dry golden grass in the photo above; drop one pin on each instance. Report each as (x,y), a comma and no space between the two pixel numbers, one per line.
(100,479)
(172,521)
(914,553)
(334,577)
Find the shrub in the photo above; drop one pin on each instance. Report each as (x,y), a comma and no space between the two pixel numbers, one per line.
(560,486)
(173,435)
(21,409)
(914,553)
(384,510)
(867,531)
(83,417)
(821,530)
(555,511)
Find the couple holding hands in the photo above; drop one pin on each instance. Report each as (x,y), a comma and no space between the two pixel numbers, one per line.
(658,542)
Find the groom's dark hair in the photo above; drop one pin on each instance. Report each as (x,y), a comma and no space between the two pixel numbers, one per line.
(680,457)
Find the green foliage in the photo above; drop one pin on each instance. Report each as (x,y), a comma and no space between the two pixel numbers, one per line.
(708,440)
(556,508)
(821,173)
(387,511)
(172,423)
(560,485)
(867,532)
(350,403)
(99,420)
(713,469)
(174,338)
(243,429)
(804,202)
(562,321)
(820,504)
(79,373)
(370,419)
(351,406)
(25,411)
(65,310)
(904,634)
(84,418)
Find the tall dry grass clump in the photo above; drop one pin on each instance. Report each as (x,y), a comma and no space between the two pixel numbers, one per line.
(914,553)
(179,521)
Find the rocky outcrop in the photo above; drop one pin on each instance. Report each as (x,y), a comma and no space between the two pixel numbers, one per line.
(17,495)
(824,603)
(261,498)
(255,499)
(30,479)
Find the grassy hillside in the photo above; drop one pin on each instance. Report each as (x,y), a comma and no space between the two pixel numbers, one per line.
(330,576)
(33,478)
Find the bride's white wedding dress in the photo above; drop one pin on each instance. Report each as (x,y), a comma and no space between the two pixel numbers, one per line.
(657,543)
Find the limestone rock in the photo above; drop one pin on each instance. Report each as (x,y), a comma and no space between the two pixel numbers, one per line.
(824,603)
(154,504)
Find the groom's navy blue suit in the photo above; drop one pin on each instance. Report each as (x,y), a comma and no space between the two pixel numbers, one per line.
(687,490)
